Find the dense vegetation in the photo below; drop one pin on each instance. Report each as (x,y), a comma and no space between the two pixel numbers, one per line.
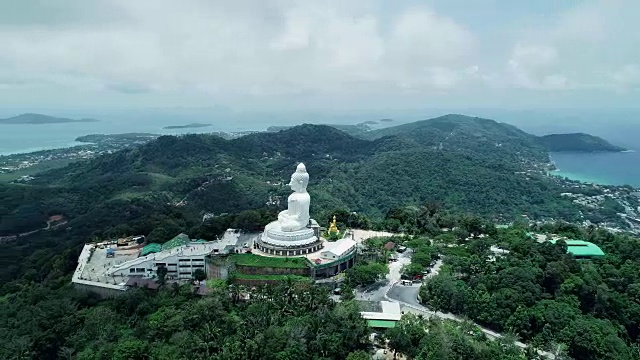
(417,180)
(166,186)
(577,142)
(417,338)
(539,292)
(472,136)
(289,321)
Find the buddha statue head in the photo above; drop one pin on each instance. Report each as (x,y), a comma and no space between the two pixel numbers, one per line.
(299,179)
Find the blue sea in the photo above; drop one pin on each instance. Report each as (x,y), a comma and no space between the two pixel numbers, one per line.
(619,127)
(602,168)
(28,138)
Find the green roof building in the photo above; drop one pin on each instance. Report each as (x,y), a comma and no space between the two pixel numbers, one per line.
(381,324)
(151,248)
(182,239)
(177,241)
(582,249)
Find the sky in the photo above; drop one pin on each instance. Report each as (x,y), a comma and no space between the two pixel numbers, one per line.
(281,55)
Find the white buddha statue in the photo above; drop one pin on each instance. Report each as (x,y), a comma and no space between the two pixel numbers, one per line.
(292,233)
(296,217)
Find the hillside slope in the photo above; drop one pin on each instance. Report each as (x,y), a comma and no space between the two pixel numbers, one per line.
(166,186)
(578,142)
(471,136)
(210,174)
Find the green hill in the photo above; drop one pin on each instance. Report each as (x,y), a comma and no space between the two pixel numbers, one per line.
(578,142)
(165,186)
(471,136)
(469,173)
(39,119)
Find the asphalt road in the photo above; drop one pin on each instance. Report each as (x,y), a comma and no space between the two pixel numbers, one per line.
(378,291)
(405,294)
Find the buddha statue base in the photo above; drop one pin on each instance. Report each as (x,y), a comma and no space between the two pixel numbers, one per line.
(275,241)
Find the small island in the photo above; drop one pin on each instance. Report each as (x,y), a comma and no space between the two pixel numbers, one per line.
(578,142)
(40,119)
(187,126)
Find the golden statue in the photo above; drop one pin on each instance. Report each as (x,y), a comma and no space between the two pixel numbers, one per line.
(333,229)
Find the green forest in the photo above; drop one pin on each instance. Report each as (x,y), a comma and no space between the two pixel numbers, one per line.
(457,173)
(543,295)
(288,321)
(165,187)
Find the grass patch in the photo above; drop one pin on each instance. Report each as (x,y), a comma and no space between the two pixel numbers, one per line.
(272,262)
(271,277)
(160,180)
(216,283)
(455,251)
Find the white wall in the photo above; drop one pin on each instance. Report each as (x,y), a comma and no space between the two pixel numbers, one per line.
(179,267)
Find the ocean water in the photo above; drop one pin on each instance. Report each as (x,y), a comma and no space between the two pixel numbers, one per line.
(620,127)
(27,138)
(600,168)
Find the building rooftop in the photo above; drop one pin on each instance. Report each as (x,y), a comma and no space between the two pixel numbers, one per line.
(390,245)
(389,312)
(95,268)
(151,248)
(182,239)
(581,248)
(339,247)
(381,324)
(93,264)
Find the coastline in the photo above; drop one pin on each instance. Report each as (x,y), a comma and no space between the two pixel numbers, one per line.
(43,148)
(578,177)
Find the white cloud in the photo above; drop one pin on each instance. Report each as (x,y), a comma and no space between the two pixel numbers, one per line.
(628,76)
(274,47)
(529,68)
(577,49)
(288,49)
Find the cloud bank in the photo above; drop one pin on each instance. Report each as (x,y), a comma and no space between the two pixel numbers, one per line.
(252,52)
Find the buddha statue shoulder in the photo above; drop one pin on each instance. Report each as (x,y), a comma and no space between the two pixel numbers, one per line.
(296,217)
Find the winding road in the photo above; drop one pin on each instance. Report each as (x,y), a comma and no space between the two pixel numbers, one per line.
(407,297)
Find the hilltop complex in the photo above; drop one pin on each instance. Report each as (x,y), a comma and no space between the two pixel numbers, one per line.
(113,266)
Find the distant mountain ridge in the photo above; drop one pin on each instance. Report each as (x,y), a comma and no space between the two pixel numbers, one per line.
(475,170)
(578,142)
(357,130)
(187,126)
(469,135)
(39,119)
